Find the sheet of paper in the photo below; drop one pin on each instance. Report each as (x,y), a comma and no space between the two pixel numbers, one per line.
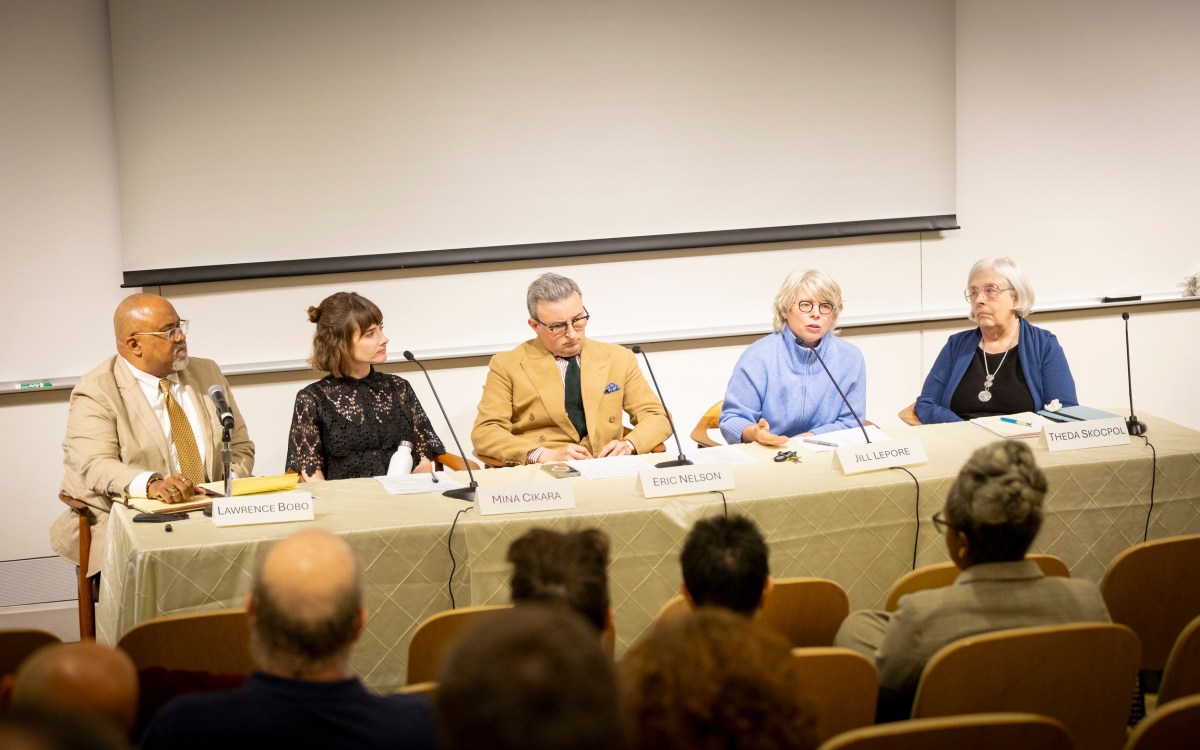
(719,454)
(415,484)
(837,439)
(612,466)
(1033,424)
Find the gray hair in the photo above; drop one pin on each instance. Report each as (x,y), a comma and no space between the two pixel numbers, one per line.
(817,283)
(1007,269)
(549,287)
(996,500)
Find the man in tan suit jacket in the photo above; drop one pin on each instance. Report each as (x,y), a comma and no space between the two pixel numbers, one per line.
(119,441)
(523,415)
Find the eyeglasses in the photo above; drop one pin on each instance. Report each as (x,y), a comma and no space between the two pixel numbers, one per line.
(826,308)
(940,523)
(175,334)
(991,291)
(579,322)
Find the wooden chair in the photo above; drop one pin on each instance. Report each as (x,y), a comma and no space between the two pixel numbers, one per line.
(428,689)
(1080,674)
(990,731)
(453,462)
(1169,728)
(434,637)
(1181,677)
(840,685)
(943,574)
(84,585)
(1154,588)
(676,606)
(707,422)
(15,645)
(807,611)
(908,415)
(217,642)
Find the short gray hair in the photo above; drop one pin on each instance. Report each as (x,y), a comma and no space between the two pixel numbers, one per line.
(996,501)
(1007,269)
(549,287)
(817,283)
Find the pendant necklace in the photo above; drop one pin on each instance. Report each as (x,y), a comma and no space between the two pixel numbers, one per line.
(986,394)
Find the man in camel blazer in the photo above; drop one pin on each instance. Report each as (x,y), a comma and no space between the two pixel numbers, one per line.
(118,442)
(523,414)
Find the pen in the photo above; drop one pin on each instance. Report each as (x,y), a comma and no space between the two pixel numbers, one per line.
(1010,420)
(819,442)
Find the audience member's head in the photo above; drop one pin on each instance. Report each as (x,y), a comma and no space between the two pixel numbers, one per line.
(714,679)
(306,607)
(724,563)
(27,728)
(570,567)
(994,508)
(84,678)
(533,677)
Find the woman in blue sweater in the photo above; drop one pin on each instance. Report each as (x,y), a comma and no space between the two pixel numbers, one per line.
(1006,365)
(779,389)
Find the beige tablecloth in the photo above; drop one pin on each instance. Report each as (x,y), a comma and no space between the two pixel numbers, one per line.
(857,530)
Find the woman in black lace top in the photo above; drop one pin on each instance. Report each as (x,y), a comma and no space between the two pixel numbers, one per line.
(349,423)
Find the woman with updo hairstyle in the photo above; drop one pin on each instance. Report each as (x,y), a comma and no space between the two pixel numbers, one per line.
(712,680)
(992,514)
(350,422)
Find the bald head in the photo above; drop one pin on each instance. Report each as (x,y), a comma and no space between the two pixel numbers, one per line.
(136,322)
(84,677)
(306,605)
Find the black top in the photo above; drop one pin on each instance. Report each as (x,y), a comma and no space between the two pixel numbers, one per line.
(350,427)
(1010,392)
(270,711)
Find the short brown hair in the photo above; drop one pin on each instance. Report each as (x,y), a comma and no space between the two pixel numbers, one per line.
(569,567)
(339,317)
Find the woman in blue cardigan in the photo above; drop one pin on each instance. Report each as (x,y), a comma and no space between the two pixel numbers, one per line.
(1004,366)
(779,389)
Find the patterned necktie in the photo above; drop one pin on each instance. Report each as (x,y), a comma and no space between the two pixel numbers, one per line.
(573,396)
(181,434)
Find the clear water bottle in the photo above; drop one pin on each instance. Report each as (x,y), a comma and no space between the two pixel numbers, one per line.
(402,459)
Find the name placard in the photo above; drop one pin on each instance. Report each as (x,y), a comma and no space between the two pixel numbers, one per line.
(855,459)
(1094,433)
(270,507)
(526,497)
(684,480)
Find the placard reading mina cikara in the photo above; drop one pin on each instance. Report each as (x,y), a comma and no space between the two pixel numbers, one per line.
(524,498)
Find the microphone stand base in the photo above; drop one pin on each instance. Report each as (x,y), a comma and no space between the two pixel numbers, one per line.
(466,494)
(681,461)
(1136,426)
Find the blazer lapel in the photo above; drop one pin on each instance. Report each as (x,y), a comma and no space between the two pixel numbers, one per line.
(542,370)
(139,408)
(593,380)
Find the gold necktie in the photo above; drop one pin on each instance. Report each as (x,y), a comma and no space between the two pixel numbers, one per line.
(181,434)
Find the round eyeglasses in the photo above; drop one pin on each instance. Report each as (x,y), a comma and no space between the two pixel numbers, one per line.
(579,322)
(826,308)
(991,291)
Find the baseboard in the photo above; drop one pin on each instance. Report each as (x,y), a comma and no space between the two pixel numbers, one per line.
(59,618)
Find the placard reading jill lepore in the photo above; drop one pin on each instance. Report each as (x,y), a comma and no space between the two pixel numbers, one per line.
(684,480)
(855,459)
(524,498)
(270,507)
(1094,433)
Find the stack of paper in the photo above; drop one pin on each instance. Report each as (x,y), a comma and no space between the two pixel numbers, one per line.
(1024,424)
(416,484)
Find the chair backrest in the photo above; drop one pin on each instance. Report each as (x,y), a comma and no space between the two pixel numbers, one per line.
(677,606)
(943,574)
(707,422)
(1154,588)
(840,685)
(991,731)
(214,641)
(420,688)
(15,645)
(807,611)
(433,638)
(1082,674)
(908,415)
(1169,727)
(1181,677)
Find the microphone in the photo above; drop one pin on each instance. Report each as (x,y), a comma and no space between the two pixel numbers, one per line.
(682,460)
(224,413)
(846,401)
(1133,424)
(461,493)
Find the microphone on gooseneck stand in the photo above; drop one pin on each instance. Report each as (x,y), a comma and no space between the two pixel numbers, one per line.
(462,493)
(846,401)
(225,417)
(224,413)
(682,460)
(1133,424)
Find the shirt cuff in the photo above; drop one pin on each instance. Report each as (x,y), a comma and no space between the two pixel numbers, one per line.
(632,447)
(137,488)
(534,455)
